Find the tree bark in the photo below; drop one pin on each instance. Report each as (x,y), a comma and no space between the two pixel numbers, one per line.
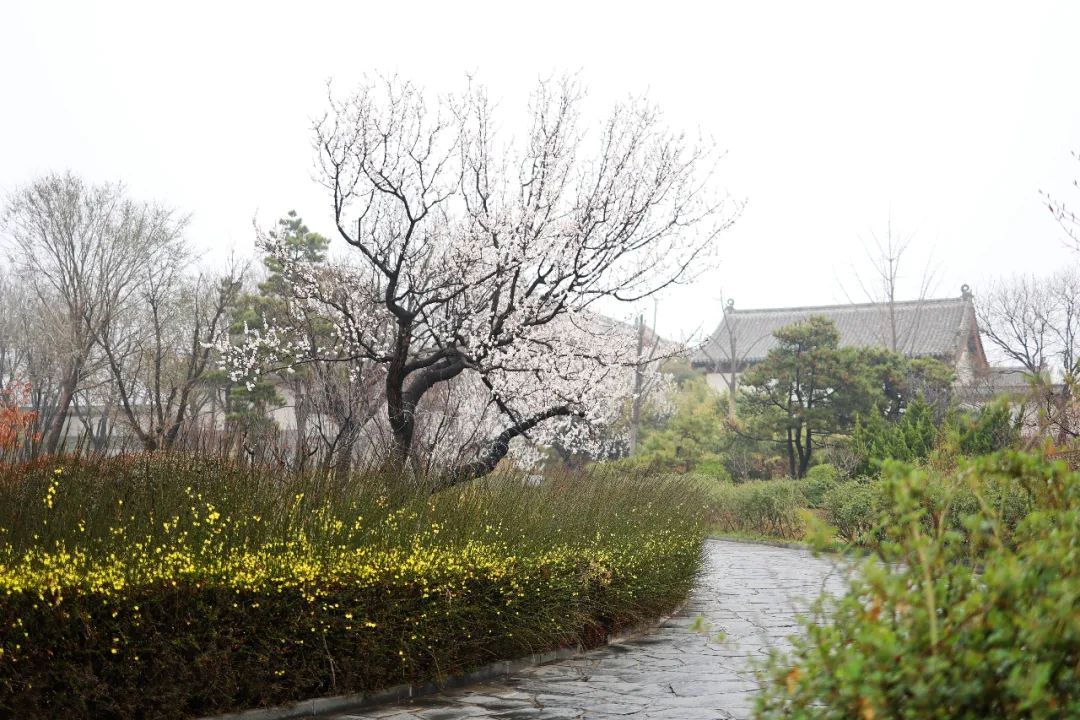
(804,463)
(496,449)
(791,452)
(639,385)
(63,405)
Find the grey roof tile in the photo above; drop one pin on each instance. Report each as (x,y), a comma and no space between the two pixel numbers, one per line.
(924,328)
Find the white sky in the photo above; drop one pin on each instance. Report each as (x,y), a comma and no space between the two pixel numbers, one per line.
(950,117)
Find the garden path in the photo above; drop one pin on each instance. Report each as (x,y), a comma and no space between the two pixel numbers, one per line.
(685,670)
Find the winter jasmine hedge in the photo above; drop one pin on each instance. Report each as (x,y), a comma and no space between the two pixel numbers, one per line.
(173,587)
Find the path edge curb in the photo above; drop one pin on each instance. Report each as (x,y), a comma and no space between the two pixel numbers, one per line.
(397,693)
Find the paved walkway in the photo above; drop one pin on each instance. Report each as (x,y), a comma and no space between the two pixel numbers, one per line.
(685,670)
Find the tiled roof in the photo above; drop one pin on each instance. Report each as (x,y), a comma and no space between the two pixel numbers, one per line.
(1011,381)
(924,328)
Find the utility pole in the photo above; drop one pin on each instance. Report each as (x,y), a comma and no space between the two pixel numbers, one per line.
(639,386)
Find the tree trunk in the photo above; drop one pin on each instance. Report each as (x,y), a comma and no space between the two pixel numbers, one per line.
(804,460)
(59,418)
(344,460)
(791,452)
(401,417)
(301,412)
(639,386)
(733,389)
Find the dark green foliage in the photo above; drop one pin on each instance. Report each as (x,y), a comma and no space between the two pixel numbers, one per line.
(809,389)
(801,390)
(820,479)
(911,438)
(303,245)
(931,380)
(986,431)
(967,611)
(246,409)
(920,431)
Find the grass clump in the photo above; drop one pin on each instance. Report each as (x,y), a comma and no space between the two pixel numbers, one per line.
(168,586)
(967,610)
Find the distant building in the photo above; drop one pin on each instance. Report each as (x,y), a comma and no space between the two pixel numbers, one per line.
(944,329)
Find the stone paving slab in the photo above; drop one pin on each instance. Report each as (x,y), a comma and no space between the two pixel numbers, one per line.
(684,670)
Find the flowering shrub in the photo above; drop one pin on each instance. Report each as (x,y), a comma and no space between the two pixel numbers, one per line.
(967,611)
(159,587)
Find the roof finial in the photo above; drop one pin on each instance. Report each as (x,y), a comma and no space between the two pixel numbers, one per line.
(730,304)
(965,291)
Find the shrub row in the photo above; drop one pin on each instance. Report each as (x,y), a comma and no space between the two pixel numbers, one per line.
(861,511)
(209,599)
(774,508)
(856,511)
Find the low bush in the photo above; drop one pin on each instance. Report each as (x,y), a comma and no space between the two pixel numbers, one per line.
(771,508)
(820,479)
(944,623)
(175,587)
(852,509)
(859,511)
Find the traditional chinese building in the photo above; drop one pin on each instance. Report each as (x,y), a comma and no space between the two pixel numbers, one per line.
(945,329)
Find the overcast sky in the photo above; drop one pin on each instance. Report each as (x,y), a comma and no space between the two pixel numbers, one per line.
(950,118)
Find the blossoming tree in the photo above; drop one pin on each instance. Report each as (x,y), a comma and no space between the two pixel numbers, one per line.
(477,264)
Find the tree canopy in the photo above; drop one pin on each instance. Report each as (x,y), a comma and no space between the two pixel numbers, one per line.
(809,388)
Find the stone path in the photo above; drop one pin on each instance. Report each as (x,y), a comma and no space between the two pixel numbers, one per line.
(685,670)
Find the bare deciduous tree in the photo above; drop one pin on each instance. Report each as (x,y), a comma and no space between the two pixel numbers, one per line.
(1015,316)
(1035,322)
(158,354)
(883,285)
(1068,219)
(83,250)
(12,349)
(727,352)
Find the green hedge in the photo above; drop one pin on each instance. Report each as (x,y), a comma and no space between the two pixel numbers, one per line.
(861,510)
(965,612)
(172,588)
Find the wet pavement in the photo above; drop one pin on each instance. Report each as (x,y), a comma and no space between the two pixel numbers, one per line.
(697,665)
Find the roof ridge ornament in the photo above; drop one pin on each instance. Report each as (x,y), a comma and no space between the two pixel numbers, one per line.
(965,292)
